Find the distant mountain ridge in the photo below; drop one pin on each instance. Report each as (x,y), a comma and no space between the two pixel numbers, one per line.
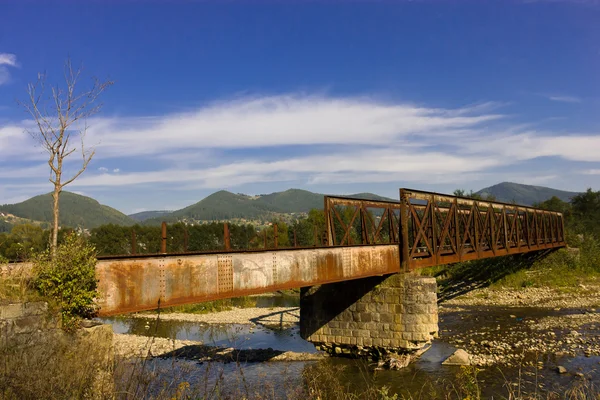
(524,194)
(144,215)
(224,205)
(82,211)
(76,211)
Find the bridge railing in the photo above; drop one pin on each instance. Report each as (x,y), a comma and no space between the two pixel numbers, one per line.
(352,221)
(441,229)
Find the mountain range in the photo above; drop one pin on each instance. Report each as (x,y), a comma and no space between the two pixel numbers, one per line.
(82,211)
(526,195)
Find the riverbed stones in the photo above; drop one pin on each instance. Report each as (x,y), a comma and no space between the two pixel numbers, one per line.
(459,357)
(561,370)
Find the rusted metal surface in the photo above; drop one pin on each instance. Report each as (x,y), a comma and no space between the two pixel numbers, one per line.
(226,236)
(439,229)
(377,221)
(163,238)
(128,285)
(133,243)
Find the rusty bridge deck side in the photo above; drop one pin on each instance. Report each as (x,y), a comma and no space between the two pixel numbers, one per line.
(129,285)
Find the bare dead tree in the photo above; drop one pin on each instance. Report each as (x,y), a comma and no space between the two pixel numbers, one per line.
(61,117)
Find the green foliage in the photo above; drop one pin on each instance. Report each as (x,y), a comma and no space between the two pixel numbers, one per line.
(268,233)
(309,231)
(554,204)
(5,226)
(81,211)
(474,195)
(586,213)
(114,239)
(69,279)
(22,241)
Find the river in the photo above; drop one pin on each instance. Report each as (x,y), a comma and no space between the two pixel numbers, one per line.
(523,345)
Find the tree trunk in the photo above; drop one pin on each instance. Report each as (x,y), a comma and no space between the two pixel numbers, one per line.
(54,239)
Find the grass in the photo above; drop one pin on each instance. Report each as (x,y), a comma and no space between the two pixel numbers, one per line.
(55,365)
(16,284)
(213,306)
(564,269)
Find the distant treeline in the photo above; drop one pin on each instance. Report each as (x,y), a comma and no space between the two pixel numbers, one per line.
(582,220)
(25,240)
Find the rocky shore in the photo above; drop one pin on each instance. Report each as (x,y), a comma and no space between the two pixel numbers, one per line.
(582,296)
(521,327)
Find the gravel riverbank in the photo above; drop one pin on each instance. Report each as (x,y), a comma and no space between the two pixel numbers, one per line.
(582,296)
(517,326)
(270,317)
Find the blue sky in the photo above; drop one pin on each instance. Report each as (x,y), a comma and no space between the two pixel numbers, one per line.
(333,97)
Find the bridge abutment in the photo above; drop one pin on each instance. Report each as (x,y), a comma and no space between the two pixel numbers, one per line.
(370,316)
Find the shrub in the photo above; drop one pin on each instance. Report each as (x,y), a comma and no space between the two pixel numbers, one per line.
(69,279)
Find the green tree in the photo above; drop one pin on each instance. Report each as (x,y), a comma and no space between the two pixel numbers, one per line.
(68,277)
(586,212)
(554,204)
(22,241)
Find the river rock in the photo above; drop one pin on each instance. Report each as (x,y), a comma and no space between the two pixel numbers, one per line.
(460,357)
(561,370)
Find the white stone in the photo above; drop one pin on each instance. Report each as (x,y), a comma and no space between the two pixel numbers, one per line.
(459,357)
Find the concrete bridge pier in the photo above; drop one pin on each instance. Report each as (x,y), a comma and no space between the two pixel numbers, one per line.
(371,316)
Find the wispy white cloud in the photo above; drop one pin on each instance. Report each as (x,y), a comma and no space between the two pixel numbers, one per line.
(279,121)
(306,140)
(6,60)
(565,99)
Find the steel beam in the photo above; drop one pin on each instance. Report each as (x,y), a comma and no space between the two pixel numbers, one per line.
(145,283)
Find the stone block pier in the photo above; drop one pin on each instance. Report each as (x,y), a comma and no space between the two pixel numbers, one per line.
(371,316)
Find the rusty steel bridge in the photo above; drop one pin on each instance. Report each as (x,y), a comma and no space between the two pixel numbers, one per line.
(362,238)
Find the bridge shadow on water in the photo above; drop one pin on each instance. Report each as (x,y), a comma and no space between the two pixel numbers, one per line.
(458,279)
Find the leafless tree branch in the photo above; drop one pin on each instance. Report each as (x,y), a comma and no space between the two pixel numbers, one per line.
(56,118)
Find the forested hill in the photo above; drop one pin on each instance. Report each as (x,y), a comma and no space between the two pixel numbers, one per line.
(524,194)
(144,215)
(76,211)
(225,205)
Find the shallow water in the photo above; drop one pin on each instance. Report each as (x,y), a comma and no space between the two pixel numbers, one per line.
(421,379)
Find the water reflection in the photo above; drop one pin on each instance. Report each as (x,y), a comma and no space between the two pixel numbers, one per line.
(425,378)
(222,335)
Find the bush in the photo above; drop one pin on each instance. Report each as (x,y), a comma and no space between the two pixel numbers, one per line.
(69,280)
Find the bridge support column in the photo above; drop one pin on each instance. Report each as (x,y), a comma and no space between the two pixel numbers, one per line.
(371,316)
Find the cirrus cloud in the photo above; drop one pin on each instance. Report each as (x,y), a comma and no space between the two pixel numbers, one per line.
(304,140)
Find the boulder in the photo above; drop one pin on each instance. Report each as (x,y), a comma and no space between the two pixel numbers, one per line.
(459,357)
